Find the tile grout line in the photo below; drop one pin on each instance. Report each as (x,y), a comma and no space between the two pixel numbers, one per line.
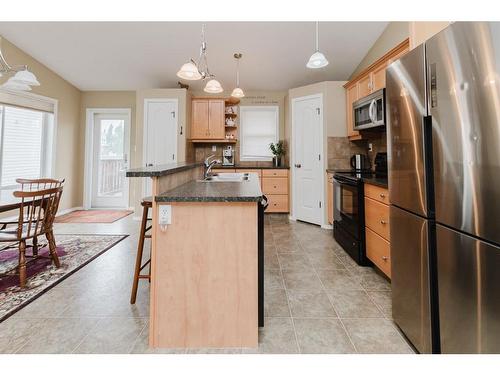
(146,324)
(87,335)
(288,303)
(335,310)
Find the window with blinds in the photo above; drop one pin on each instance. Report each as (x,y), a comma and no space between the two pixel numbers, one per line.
(25,147)
(259,126)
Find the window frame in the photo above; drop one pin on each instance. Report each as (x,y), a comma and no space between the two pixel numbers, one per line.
(49,130)
(269,108)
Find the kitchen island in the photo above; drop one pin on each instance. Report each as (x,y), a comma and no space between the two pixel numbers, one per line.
(204,262)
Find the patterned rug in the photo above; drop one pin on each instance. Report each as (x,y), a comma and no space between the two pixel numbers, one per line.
(74,251)
(93,216)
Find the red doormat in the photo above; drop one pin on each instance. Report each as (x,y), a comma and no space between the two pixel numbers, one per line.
(93,216)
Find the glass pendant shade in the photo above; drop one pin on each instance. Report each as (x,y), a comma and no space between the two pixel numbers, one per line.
(25,77)
(213,87)
(11,84)
(189,71)
(237,93)
(317,60)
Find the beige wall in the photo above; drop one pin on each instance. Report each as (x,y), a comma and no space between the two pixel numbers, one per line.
(333,119)
(421,31)
(70,144)
(394,33)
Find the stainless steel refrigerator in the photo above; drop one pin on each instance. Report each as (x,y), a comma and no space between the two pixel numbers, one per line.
(443,104)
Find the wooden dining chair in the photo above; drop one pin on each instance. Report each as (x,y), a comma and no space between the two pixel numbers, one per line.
(37,212)
(39,184)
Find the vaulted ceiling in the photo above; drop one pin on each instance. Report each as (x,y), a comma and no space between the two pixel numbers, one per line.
(133,55)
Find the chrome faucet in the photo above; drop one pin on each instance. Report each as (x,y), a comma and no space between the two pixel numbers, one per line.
(209,165)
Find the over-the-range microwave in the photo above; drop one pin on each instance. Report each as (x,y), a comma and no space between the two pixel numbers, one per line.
(369,112)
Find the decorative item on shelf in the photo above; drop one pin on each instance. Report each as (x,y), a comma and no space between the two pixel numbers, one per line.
(193,71)
(230,110)
(230,121)
(317,59)
(237,92)
(278,150)
(22,78)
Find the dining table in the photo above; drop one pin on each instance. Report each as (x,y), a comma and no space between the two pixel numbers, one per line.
(7,200)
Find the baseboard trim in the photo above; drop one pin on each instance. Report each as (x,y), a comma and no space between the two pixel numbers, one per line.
(291,217)
(327,226)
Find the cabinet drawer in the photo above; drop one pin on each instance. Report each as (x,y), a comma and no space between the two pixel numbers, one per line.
(275,185)
(223,170)
(378,193)
(258,171)
(275,173)
(378,250)
(377,217)
(277,203)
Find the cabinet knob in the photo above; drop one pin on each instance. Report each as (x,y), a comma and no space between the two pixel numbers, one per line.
(383,222)
(382,195)
(385,259)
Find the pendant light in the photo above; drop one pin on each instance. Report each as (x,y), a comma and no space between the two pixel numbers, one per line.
(194,71)
(237,92)
(22,80)
(317,59)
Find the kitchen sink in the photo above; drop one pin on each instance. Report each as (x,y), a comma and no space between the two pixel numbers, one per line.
(226,177)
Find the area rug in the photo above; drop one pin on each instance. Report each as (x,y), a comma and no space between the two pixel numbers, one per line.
(93,216)
(74,251)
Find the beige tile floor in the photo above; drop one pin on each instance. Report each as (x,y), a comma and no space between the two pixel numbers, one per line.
(317,300)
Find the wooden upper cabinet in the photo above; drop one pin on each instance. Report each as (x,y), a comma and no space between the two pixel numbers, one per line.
(368,81)
(351,97)
(378,77)
(365,86)
(216,119)
(208,119)
(199,129)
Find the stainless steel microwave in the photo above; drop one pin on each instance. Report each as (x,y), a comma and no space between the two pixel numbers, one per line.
(369,112)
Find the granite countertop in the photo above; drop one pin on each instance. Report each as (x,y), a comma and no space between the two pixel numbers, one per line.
(162,170)
(378,181)
(199,191)
(236,166)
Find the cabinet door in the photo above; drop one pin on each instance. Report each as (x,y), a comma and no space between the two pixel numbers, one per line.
(365,86)
(378,77)
(216,119)
(352,96)
(330,202)
(199,124)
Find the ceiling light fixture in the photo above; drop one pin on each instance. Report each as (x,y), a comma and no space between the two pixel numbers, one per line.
(238,92)
(193,71)
(22,78)
(317,59)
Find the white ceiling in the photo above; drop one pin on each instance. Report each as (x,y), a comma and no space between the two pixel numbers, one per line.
(133,55)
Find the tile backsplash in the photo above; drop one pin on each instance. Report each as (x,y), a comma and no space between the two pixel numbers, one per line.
(340,150)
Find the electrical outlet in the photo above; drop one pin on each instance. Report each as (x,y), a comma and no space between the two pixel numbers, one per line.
(214,148)
(165,214)
(370,147)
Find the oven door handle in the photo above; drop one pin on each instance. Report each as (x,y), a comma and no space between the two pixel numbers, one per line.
(341,181)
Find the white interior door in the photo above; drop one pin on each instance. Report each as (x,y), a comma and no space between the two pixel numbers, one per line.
(110,160)
(307,150)
(160,134)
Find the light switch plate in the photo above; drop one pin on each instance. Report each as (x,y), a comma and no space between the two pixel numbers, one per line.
(214,148)
(164,214)
(370,147)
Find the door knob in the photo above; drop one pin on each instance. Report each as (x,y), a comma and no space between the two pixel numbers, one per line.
(298,165)
(149,164)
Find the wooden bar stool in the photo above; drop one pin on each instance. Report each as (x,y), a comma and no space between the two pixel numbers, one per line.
(146,204)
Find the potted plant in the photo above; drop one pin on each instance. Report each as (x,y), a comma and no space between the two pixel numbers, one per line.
(278,150)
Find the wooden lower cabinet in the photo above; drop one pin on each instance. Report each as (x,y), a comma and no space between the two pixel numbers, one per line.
(329,199)
(377,230)
(277,203)
(274,184)
(378,250)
